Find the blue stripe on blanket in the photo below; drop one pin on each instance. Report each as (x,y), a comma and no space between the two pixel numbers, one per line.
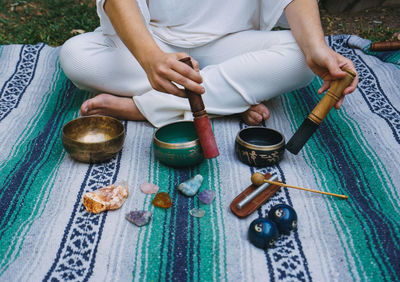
(77,252)
(290,246)
(369,86)
(342,165)
(12,91)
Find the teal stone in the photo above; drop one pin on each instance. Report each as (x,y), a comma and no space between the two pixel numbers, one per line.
(191,186)
(197,212)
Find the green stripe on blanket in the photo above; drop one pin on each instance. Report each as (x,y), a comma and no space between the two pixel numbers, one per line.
(203,253)
(39,168)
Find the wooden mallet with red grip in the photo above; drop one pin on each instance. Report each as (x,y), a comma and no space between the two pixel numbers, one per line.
(201,121)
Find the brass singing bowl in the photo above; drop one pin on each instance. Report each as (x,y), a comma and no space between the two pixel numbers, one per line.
(93,139)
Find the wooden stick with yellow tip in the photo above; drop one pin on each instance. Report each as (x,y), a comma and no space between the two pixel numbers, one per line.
(258,179)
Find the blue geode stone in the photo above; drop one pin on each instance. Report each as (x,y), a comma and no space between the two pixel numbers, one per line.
(191,187)
(139,218)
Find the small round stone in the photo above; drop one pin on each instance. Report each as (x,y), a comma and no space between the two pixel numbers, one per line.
(284,216)
(207,196)
(162,200)
(263,233)
(197,212)
(149,188)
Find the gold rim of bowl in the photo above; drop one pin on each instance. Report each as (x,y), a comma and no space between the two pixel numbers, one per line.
(183,145)
(258,147)
(88,117)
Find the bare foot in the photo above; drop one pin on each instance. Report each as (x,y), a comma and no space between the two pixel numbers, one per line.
(110,105)
(255,114)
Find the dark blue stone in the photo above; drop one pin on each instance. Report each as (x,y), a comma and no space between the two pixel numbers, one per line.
(284,216)
(263,233)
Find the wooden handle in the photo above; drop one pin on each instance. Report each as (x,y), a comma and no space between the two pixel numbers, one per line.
(385,46)
(331,97)
(195,100)
(306,189)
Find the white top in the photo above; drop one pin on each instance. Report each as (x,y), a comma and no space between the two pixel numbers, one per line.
(192,23)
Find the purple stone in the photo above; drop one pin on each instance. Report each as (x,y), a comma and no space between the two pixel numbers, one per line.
(139,218)
(207,196)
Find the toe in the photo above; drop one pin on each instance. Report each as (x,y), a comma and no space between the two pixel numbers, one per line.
(85,108)
(253,118)
(262,110)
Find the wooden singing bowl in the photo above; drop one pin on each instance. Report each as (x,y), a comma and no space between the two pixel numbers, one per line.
(259,146)
(93,139)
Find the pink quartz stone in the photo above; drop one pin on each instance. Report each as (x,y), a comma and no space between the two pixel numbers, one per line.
(149,188)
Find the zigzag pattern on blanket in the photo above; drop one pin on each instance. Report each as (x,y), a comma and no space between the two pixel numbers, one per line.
(46,231)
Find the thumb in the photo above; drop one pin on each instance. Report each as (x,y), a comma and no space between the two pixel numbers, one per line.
(334,69)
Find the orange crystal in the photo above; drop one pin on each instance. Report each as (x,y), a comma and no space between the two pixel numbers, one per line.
(107,198)
(162,200)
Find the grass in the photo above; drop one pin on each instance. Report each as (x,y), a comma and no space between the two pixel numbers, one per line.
(378,24)
(49,21)
(54,21)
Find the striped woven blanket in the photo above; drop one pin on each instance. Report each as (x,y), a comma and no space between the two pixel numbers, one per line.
(46,233)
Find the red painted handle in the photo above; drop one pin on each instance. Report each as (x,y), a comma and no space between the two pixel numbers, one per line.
(206,137)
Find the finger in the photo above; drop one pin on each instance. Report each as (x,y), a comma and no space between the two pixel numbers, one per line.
(352,86)
(334,69)
(170,88)
(185,82)
(195,64)
(187,71)
(339,103)
(325,86)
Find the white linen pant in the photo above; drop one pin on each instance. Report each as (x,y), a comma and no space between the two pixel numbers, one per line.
(238,70)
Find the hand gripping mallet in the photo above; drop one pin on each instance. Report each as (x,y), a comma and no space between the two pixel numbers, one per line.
(201,121)
(320,111)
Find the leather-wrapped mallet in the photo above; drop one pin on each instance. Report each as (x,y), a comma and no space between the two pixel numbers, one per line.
(201,121)
(312,122)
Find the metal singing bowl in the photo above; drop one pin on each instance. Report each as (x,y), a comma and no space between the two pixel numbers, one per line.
(93,139)
(260,146)
(177,144)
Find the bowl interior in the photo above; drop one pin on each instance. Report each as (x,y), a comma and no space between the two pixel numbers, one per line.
(93,129)
(177,133)
(261,136)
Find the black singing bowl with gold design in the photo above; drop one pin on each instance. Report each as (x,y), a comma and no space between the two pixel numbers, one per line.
(259,146)
(93,139)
